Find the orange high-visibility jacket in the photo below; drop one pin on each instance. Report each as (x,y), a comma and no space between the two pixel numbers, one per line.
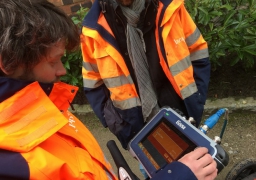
(179,43)
(40,139)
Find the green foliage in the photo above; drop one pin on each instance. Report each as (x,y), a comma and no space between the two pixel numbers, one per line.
(79,16)
(73,60)
(229,27)
(73,63)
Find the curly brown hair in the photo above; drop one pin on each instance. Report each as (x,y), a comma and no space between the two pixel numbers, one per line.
(28,28)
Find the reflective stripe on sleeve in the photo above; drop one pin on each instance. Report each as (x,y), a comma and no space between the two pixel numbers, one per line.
(90,67)
(190,40)
(127,104)
(188,90)
(90,83)
(180,66)
(117,81)
(200,54)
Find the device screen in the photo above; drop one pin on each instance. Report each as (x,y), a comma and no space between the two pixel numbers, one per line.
(164,144)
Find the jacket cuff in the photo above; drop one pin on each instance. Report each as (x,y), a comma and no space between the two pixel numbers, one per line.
(175,171)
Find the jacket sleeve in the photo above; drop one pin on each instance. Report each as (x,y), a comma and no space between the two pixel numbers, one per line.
(199,57)
(97,98)
(175,171)
(202,69)
(199,54)
(13,166)
(94,88)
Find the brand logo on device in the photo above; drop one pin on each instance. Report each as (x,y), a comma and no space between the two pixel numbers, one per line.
(180,124)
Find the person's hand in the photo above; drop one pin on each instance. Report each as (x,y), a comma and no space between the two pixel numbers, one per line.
(201,164)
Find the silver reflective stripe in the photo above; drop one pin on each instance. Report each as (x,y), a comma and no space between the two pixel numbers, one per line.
(25,120)
(200,54)
(41,131)
(90,67)
(89,83)
(117,81)
(189,90)
(127,104)
(190,40)
(180,66)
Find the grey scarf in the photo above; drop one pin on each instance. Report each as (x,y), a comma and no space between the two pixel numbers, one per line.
(136,49)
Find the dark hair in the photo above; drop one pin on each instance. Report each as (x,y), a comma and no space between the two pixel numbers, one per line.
(28,28)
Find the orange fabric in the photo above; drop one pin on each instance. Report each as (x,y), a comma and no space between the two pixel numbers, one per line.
(124,92)
(103,22)
(176,24)
(175,38)
(61,93)
(96,53)
(56,145)
(162,61)
(109,61)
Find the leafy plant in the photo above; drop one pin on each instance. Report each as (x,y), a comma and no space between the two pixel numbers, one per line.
(73,63)
(229,27)
(79,16)
(73,60)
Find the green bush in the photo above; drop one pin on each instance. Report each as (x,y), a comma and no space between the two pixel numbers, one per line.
(229,27)
(73,60)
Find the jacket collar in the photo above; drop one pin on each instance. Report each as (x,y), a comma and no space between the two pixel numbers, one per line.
(61,94)
(9,86)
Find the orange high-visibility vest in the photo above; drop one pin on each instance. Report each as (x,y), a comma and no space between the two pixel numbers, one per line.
(103,63)
(53,142)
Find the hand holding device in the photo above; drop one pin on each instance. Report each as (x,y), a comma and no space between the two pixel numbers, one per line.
(201,163)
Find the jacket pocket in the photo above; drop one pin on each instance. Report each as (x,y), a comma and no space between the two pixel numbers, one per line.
(113,120)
